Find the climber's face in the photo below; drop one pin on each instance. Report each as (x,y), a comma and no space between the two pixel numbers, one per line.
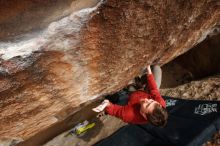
(147,106)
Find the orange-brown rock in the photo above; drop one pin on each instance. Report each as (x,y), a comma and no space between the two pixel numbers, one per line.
(86,54)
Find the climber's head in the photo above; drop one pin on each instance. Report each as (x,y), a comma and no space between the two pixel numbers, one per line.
(153,112)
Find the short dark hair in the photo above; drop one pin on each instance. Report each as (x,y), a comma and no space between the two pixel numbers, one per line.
(158,117)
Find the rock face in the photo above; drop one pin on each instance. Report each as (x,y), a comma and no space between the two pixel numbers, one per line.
(88,53)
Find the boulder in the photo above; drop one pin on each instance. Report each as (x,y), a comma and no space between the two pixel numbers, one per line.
(57,55)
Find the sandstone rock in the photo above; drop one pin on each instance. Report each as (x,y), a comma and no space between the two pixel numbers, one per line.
(86,54)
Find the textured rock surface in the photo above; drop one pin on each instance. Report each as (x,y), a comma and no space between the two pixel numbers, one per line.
(88,53)
(19,17)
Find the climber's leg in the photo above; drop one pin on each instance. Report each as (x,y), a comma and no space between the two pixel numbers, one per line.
(157,72)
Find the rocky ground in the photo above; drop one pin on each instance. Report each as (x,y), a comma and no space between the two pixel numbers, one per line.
(206,89)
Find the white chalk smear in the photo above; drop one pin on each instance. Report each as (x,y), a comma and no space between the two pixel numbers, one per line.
(53,38)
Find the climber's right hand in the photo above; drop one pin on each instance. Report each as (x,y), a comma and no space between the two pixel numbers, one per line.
(102,106)
(149,69)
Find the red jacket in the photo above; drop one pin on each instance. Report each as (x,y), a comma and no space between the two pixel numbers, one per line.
(130,113)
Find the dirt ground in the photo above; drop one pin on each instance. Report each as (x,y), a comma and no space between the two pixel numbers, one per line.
(206,89)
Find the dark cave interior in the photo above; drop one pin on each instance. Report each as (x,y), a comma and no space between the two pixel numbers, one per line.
(201,61)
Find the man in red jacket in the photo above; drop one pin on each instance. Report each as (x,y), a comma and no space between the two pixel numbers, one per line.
(142,107)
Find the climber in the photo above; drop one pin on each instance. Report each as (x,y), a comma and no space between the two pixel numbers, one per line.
(142,107)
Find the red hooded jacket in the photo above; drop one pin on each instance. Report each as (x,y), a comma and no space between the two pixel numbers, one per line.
(130,113)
